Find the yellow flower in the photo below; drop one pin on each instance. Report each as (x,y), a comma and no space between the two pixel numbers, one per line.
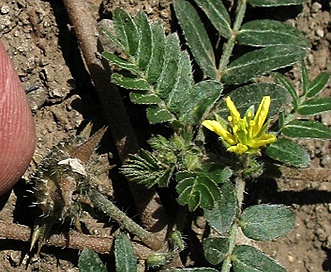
(243,135)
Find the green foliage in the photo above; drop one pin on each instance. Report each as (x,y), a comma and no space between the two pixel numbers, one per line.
(266,222)
(197,37)
(308,104)
(288,152)
(215,249)
(284,44)
(250,259)
(263,33)
(125,258)
(225,211)
(196,189)
(159,74)
(261,61)
(89,261)
(159,71)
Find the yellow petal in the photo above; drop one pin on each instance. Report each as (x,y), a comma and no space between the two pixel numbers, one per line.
(261,115)
(263,140)
(219,130)
(238,149)
(235,115)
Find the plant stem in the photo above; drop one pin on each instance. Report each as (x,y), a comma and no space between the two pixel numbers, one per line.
(239,190)
(228,48)
(106,206)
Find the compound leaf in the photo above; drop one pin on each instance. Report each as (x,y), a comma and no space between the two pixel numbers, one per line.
(145,168)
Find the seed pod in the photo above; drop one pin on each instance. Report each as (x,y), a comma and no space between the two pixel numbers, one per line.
(17,131)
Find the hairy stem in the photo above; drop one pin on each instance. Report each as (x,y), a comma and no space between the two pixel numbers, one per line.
(239,190)
(228,48)
(103,204)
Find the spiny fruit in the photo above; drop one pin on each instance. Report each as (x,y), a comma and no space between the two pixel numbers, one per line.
(62,181)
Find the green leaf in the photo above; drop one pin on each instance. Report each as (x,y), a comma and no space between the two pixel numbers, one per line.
(304,78)
(275,3)
(125,257)
(250,259)
(168,76)
(261,61)
(144,51)
(215,249)
(200,101)
(266,222)
(223,214)
(196,37)
(269,32)
(318,84)
(122,63)
(216,173)
(217,14)
(196,190)
(315,106)
(288,152)
(252,94)
(307,129)
(157,115)
(197,269)
(155,65)
(89,261)
(179,94)
(145,168)
(144,98)
(126,31)
(283,81)
(108,37)
(132,83)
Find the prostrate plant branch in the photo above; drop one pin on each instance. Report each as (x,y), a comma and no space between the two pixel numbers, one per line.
(72,239)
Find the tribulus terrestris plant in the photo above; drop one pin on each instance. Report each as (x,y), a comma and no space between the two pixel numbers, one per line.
(225,128)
